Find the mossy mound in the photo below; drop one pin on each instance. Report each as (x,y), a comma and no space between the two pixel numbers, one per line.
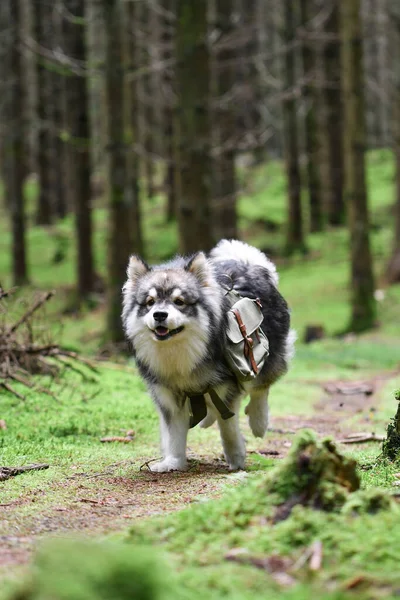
(313,474)
(369,502)
(83,570)
(391,446)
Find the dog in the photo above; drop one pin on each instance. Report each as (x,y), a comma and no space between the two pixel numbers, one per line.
(175,316)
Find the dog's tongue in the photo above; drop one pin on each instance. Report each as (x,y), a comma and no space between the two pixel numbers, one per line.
(162,330)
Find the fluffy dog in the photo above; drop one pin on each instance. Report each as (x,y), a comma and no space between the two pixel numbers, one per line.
(175,316)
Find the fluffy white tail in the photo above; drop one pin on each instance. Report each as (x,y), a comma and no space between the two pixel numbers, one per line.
(235,250)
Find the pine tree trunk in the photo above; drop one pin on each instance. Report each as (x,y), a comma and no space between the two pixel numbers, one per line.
(393,267)
(225,192)
(310,124)
(80,139)
(42,32)
(120,226)
(362,280)
(168,32)
(294,239)
(335,208)
(15,156)
(60,165)
(132,127)
(193,57)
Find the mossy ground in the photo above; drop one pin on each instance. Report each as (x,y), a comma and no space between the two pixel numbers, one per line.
(99,488)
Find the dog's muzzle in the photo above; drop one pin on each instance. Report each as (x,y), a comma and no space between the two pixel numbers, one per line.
(163,333)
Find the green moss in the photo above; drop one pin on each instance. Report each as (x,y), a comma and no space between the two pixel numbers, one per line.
(369,501)
(83,570)
(315,474)
(391,446)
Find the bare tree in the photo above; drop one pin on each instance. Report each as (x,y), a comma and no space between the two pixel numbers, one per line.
(15,155)
(80,138)
(120,203)
(132,127)
(194,134)
(295,237)
(42,12)
(362,280)
(393,267)
(309,89)
(333,130)
(224,202)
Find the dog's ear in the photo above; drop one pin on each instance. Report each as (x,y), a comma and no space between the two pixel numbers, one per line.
(136,268)
(200,268)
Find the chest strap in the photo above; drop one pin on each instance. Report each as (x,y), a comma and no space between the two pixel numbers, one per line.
(199,408)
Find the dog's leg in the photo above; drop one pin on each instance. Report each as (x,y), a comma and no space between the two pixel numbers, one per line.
(174,425)
(232,440)
(257,411)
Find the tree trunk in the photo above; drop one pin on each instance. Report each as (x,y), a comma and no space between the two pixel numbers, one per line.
(294,239)
(225,192)
(393,267)
(46,201)
(310,124)
(60,165)
(132,126)
(147,10)
(168,33)
(80,160)
(120,226)
(335,209)
(362,280)
(194,160)
(15,155)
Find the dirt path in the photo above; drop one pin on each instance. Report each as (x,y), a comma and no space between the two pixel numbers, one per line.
(104,502)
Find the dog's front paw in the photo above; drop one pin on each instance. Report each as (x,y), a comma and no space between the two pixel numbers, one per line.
(169,464)
(236,462)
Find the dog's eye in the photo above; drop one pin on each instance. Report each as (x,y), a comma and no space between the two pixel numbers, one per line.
(179,302)
(150,301)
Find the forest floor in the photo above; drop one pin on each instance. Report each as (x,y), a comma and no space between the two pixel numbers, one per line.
(104,489)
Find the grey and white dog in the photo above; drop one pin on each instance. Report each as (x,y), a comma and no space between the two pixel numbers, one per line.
(175,316)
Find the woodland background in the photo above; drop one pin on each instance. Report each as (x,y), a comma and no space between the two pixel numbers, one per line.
(159,127)
(140,106)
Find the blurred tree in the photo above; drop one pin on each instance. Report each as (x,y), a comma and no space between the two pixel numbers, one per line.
(59,116)
(309,88)
(193,120)
(132,126)
(145,13)
(333,131)
(363,303)
(15,154)
(224,193)
(295,238)
(168,84)
(120,202)
(42,13)
(393,267)
(80,140)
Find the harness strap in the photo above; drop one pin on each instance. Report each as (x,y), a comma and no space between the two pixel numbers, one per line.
(248,342)
(199,408)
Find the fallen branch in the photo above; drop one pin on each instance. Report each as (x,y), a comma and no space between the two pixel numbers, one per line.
(117,438)
(7,472)
(362,438)
(29,313)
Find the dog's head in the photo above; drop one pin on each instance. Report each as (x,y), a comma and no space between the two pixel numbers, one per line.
(170,306)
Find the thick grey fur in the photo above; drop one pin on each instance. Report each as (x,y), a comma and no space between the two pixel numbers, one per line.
(193,360)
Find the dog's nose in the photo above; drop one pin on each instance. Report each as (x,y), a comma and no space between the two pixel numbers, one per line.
(160,316)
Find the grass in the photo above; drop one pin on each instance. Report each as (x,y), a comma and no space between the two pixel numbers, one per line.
(65,432)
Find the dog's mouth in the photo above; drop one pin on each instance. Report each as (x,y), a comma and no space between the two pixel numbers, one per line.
(163,333)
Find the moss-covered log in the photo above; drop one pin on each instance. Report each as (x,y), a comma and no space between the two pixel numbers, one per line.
(391,446)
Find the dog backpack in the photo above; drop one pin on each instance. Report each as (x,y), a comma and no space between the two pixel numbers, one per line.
(247,346)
